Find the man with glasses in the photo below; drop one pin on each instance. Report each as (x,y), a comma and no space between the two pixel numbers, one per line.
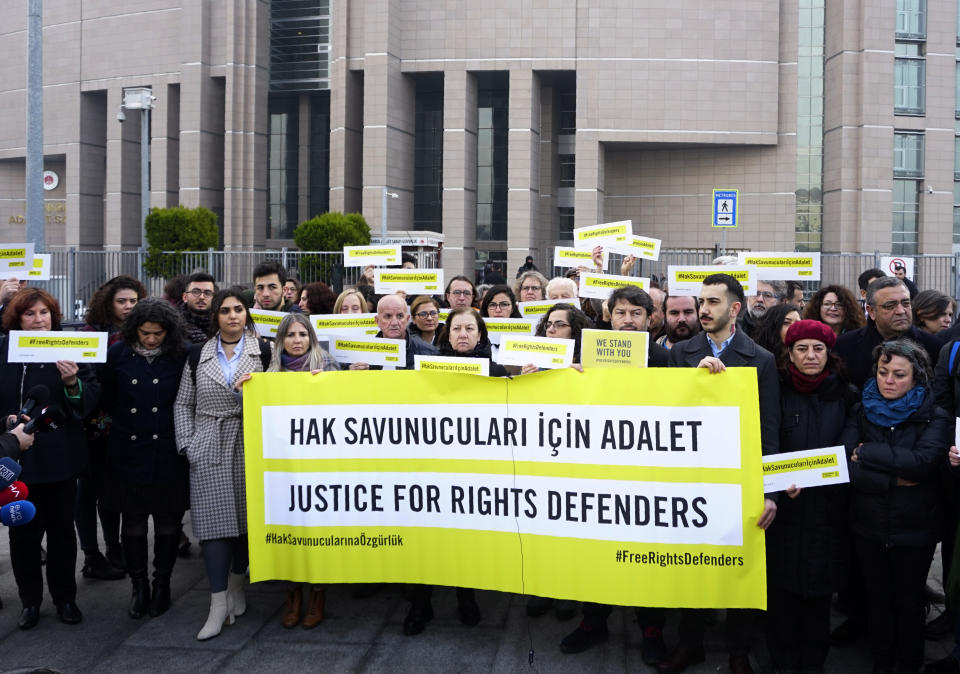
(460,292)
(769,293)
(890,315)
(197,298)
(630,311)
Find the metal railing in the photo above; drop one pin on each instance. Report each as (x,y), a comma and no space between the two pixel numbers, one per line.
(76,274)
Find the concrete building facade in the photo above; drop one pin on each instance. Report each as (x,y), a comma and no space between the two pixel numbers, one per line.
(502,124)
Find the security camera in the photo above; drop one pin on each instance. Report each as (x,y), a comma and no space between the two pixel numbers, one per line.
(121,116)
(930,189)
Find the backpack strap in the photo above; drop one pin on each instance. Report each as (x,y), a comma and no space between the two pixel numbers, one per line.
(193,360)
(266,353)
(951,365)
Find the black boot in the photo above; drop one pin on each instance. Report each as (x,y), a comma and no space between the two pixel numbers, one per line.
(135,553)
(165,551)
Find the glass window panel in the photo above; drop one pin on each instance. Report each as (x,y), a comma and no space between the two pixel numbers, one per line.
(912,19)
(909,86)
(908,155)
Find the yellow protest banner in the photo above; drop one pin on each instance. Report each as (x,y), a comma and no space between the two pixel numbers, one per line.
(603,348)
(650,478)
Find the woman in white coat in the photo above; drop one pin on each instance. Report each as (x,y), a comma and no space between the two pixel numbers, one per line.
(209,429)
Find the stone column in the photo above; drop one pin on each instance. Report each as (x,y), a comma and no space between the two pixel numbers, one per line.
(523,167)
(459,171)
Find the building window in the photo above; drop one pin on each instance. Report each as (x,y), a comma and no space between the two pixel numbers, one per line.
(299,45)
(909,78)
(567,169)
(809,193)
(906,216)
(283,174)
(956,213)
(566,223)
(908,180)
(911,19)
(319,152)
(492,132)
(907,155)
(428,154)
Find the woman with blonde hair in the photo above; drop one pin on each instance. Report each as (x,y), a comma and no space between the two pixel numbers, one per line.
(350,301)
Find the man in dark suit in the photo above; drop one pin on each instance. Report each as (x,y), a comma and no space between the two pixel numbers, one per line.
(630,309)
(890,316)
(719,346)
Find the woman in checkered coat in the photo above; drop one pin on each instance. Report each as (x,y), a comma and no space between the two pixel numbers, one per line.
(209,430)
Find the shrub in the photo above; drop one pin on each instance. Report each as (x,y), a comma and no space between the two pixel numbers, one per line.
(177,229)
(329,232)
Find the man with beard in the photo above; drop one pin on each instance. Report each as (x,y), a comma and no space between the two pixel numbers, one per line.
(201,287)
(630,309)
(723,344)
(680,321)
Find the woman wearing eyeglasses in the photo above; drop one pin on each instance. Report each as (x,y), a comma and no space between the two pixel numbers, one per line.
(530,287)
(499,302)
(426,324)
(836,307)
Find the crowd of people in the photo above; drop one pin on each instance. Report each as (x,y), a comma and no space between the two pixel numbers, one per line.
(157,429)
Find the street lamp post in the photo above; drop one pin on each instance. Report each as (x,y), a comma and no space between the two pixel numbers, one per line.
(141,98)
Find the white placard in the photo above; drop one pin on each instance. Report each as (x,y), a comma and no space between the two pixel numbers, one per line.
(808,468)
(378,256)
(266,321)
(41,267)
(452,364)
(687,280)
(641,247)
(49,346)
(606,234)
(889,263)
(544,352)
(782,266)
(599,286)
(16,259)
(410,281)
(498,327)
(564,256)
(370,350)
(345,325)
(537,308)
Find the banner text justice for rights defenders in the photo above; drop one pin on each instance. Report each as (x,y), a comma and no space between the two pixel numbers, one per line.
(632,487)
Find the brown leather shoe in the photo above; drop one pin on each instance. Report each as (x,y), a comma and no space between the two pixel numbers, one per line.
(314,609)
(740,664)
(291,612)
(681,658)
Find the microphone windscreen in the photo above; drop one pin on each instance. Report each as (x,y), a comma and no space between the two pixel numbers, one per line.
(39,394)
(18,513)
(9,471)
(15,492)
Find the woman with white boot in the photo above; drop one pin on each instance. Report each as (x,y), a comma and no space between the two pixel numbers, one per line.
(209,426)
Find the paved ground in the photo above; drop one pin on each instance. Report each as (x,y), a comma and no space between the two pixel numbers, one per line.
(358,635)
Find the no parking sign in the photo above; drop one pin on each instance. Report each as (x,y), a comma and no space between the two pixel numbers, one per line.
(890,264)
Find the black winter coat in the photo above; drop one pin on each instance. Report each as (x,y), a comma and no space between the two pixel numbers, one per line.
(916,450)
(807,543)
(55,455)
(139,397)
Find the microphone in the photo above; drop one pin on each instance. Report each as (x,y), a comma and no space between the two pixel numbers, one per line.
(9,471)
(37,396)
(15,492)
(18,513)
(49,419)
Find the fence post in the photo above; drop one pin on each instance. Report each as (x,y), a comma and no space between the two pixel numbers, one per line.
(72,282)
(956,274)
(876,259)
(283,257)
(210,260)
(143,272)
